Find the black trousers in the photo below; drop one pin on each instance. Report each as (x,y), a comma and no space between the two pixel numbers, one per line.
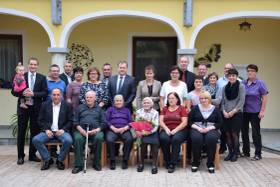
(209,140)
(26,115)
(254,119)
(171,145)
(127,140)
(223,139)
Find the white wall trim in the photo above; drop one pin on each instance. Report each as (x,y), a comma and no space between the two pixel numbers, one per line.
(32,17)
(111,13)
(24,44)
(228,16)
(141,34)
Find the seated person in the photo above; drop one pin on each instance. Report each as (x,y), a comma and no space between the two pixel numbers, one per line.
(205,120)
(55,119)
(149,116)
(118,118)
(173,121)
(89,113)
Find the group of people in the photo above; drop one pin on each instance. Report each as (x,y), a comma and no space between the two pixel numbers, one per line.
(199,109)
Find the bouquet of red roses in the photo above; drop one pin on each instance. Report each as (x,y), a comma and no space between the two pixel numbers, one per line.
(139,128)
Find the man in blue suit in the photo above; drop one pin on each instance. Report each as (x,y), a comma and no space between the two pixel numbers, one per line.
(123,84)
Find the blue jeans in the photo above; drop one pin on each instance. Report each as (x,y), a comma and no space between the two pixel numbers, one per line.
(40,140)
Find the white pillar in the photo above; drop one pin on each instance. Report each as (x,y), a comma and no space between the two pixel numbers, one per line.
(59,59)
(190,53)
(58,56)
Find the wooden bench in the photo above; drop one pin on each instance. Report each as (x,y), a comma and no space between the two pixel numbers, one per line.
(184,156)
(57,143)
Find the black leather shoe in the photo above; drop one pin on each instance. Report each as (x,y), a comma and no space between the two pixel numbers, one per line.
(171,168)
(76,170)
(97,167)
(124,164)
(112,165)
(154,169)
(47,164)
(20,161)
(140,168)
(245,154)
(34,159)
(228,157)
(234,158)
(211,170)
(194,168)
(60,165)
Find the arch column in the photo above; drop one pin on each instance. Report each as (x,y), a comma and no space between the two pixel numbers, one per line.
(58,56)
(190,52)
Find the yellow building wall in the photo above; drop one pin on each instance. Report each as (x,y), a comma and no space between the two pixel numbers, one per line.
(259,46)
(172,9)
(109,38)
(35,43)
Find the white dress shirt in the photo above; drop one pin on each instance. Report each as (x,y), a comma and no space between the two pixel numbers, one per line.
(56,109)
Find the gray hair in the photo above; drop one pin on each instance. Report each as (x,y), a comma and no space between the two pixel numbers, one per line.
(118,96)
(148,99)
(90,92)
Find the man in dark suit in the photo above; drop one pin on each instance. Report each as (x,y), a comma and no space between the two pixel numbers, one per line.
(186,76)
(55,120)
(202,71)
(67,76)
(36,91)
(123,84)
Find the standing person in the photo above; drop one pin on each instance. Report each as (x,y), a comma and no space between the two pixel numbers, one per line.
(202,71)
(222,81)
(67,76)
(95,85)
(213,89)
(254,108)
(107,72)
(186,76)
(53,81)
(173,122)
(55,120)
(233,98)
(89,113)
(37,90)
(173,85)
(123,84)
(148,88)
(193,96)
(73,89)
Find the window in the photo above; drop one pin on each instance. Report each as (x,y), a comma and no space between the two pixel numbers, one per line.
(10,55)
(161,52)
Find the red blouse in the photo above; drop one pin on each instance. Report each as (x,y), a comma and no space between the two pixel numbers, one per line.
(173,119)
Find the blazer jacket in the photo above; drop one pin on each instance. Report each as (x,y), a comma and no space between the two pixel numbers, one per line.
(63,77)
(128,89)
(65,119)
(143,91)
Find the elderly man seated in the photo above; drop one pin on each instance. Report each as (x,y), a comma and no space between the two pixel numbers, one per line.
(88,114)
(55,120)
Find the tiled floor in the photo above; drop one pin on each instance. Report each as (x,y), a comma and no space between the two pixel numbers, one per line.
(244,172)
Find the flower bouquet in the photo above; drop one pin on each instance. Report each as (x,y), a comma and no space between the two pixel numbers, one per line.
(139,128)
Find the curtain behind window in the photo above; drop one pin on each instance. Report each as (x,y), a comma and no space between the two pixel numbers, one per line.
(10,55)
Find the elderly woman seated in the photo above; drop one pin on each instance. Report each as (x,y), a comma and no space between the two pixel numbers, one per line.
(118,118)
(146,126)
(205,121)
